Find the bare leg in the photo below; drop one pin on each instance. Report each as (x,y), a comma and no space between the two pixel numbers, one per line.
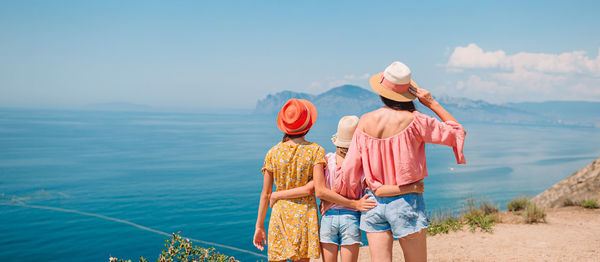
(414,246)
(350,253)
(330,252)
(380,245)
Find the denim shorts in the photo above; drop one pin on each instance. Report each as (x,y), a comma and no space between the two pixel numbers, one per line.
(403,214)
(340,227)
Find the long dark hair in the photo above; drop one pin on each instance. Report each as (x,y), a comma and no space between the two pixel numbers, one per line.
(287,137)
(408,106)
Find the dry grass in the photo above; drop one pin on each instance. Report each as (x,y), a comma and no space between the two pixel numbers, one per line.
(488,207)
(517,204)
(534,214)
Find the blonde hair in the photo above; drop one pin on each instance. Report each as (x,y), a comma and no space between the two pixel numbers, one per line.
(342,151)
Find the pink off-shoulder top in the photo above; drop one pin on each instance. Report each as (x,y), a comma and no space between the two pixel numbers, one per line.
(399,159)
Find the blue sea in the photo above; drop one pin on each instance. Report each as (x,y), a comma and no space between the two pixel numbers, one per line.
(73,182)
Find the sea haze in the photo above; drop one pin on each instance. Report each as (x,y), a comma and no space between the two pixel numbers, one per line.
(199,174)
(357,100)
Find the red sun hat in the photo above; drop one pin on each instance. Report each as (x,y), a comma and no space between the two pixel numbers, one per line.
(296,116)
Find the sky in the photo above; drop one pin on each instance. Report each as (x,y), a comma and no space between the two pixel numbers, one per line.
(229,54)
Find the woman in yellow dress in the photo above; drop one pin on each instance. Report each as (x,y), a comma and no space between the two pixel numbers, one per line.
(293,227)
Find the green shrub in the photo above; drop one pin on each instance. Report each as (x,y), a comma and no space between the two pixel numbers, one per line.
(481,217)
(178,249)
(589,204)
(443,222)
(533,214)
(519,203)
(478,218)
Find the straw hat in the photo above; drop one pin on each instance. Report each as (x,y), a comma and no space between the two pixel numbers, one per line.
(345,131)
(296,116)
(393,83)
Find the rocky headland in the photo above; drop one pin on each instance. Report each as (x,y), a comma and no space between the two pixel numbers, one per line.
(582,185)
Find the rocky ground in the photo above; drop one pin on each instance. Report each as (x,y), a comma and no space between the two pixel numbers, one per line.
(570,234)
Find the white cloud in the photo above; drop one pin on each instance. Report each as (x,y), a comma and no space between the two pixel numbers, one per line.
(351,79)
(501,77)
(338,82)
(317,87)
(476,87)
(315,84)
(357,77)
(472,56)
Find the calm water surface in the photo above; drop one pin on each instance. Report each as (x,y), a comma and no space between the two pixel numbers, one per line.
(199,174)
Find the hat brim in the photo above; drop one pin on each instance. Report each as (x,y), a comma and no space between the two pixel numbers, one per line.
(313,118)
(407,96)
(342,143)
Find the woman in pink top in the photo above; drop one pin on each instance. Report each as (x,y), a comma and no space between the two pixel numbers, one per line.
(389,148)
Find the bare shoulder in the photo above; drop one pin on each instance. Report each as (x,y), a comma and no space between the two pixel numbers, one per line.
(386,122)
(367,115)
(369,118)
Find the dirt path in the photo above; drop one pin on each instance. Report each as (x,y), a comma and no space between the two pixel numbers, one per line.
(570,234)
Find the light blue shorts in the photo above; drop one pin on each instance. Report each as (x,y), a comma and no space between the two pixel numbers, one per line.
(403,215)
(340,227)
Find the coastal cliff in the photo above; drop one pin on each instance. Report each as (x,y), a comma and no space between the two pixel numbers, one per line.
(582,185)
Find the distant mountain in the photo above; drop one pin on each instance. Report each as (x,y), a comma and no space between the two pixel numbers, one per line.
(272,103)
(349,99)
(337,101)
(466,109)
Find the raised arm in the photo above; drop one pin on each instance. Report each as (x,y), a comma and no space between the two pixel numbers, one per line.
(260,235)
(297,192)
(449,132)
(328,195)
(391,190)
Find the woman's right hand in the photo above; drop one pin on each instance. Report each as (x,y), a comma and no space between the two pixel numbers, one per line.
(273,199)
(423,95)
(260,238)
(364,204)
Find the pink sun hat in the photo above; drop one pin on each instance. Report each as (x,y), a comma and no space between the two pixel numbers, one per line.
(393,83)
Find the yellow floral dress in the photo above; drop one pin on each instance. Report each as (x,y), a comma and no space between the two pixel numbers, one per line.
(293,227)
